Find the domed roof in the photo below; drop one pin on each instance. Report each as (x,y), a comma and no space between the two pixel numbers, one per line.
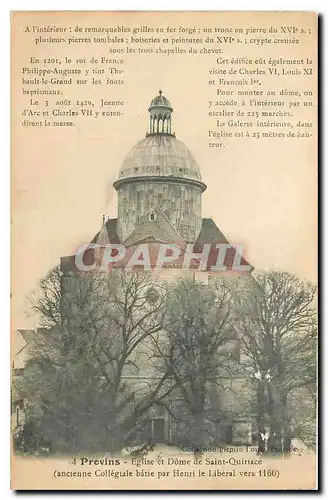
(160,155)
(160,101)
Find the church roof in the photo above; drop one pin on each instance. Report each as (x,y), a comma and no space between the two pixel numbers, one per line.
(103,238)
(111,226)
(210,233)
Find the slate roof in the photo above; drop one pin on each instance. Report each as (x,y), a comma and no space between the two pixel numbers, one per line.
(210,233)
(158,231)
(103,238)
(111,226)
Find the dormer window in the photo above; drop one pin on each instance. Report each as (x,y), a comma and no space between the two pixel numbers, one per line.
(152,216)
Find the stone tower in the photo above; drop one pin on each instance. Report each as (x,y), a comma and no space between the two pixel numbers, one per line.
(160,172)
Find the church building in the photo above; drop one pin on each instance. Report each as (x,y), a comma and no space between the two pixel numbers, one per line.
(160,188)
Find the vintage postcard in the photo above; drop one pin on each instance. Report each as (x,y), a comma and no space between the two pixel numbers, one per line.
(164,250)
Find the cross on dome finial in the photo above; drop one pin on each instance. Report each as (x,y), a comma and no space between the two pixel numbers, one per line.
(160,92)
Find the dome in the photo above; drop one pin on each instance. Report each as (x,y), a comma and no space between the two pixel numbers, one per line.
(160,101)
(160,155)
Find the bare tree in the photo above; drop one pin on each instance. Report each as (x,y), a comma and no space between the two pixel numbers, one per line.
(276,324)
